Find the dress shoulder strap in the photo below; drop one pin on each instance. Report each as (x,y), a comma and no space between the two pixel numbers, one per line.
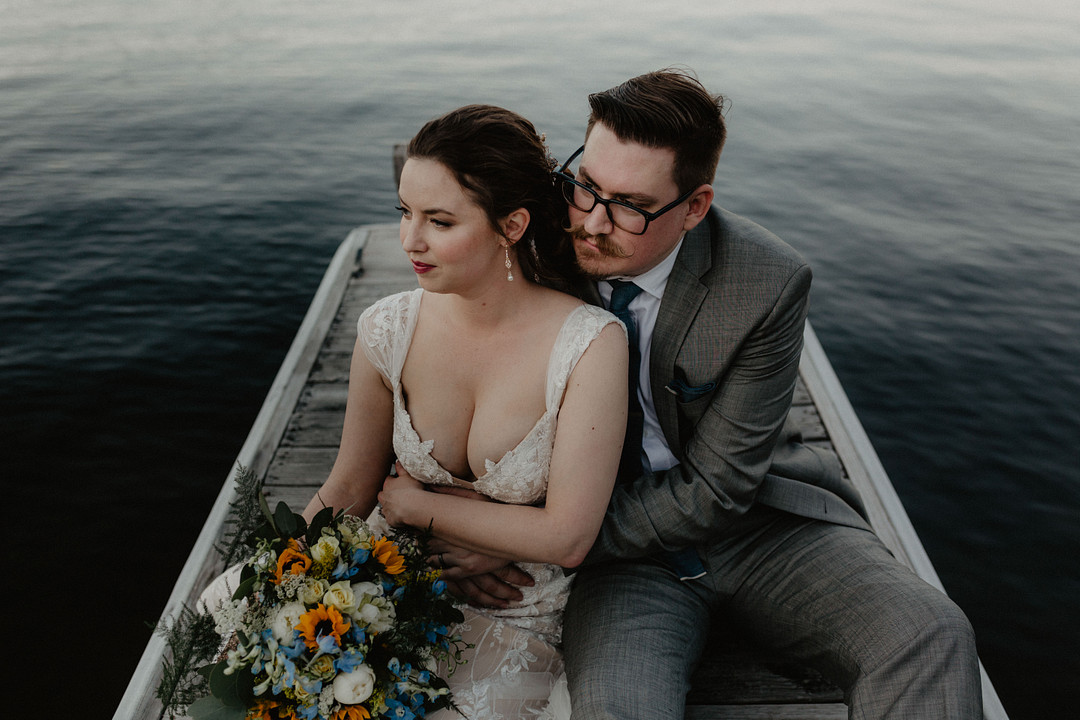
(581,327)
(385,330)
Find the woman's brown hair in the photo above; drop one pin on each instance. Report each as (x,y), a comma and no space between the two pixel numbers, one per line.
(502,163)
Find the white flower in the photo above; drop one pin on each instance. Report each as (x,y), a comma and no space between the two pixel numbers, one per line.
(364,591)
(378,615)
(311,592)
(327,550)
(341,596)
(354,687)
(285,621)
(355,532)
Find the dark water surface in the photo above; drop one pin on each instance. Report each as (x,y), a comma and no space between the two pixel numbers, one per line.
(174,177)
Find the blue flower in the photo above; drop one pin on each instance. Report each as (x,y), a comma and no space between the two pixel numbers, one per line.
(349,661)
(438,587)
(343,571)
(434,632)
(328,645)
(357,634)
(396,709)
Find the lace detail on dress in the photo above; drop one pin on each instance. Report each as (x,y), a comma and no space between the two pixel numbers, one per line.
(516,662)
(518,477)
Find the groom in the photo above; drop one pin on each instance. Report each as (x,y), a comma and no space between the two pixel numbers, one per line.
(718,518)
(727,522)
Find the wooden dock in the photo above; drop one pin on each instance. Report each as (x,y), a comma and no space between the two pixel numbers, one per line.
(294,441)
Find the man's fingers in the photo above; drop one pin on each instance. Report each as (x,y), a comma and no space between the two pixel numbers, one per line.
(494,587)
(514,575)
(470,591)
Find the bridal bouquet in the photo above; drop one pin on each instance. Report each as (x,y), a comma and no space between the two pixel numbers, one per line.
(331,621)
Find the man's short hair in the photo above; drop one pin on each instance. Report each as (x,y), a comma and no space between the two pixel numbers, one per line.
(667,109)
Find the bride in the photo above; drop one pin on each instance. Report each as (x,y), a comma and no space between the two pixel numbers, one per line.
(486,384)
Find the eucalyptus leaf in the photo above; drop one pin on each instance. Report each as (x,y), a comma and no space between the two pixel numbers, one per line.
(211,708)
(233,690)
(322,519)
(285,520)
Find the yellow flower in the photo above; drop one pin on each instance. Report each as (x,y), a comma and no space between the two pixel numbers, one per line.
(291,561)
(322,622)
(386,552)
(270,710)
(351,712)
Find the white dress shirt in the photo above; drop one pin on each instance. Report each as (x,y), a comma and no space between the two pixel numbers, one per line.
(645,307)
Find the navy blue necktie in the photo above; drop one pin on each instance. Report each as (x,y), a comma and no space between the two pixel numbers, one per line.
(622,294)
(685,562)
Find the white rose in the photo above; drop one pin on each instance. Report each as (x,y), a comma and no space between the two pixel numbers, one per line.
(326,551)
(378,615)
(340,595)
(354,687)
(312,591)
(354,533)
(366,590)
(286,620)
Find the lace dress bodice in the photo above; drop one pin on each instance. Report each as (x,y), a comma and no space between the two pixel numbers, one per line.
(515,662)
(519,476)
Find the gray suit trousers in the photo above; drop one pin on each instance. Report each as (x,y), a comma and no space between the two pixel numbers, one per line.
(830,595)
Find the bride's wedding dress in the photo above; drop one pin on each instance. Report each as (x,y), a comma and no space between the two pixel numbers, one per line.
(515,668)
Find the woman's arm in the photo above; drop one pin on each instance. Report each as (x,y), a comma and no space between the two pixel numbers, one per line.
(585,459)
(366,449)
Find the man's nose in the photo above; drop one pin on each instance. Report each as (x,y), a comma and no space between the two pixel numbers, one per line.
(598,222)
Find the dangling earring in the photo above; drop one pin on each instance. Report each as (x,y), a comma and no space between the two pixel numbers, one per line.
(509,275)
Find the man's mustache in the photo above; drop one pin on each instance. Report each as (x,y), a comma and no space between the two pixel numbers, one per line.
(603,243)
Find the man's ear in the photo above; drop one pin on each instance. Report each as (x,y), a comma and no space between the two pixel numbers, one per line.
(514,225)
(700,202)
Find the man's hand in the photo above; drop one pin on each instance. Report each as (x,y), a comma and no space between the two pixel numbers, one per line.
(479,579)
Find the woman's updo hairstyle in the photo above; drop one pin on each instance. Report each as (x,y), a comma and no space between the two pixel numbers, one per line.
(501,162)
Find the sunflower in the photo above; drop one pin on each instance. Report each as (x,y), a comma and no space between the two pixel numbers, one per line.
(351,712)
(386,552)
(291,561)
(322,622)
(270,710)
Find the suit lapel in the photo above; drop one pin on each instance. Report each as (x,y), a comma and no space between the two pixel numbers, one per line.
(683,296)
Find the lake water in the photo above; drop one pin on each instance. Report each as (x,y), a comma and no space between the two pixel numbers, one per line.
(174,176)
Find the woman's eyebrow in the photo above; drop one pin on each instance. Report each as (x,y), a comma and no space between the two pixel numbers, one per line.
(428,211)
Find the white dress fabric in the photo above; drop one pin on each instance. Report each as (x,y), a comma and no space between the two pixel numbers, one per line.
(515,668)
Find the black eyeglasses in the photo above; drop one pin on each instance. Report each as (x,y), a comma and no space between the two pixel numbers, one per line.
(622,215)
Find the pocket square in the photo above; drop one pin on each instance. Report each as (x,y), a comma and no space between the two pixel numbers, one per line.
(686,393)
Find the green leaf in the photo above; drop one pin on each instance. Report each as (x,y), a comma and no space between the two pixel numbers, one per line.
(245,587)
(322,518)
(233,690)
(265,507)
(211,708)
(288,523)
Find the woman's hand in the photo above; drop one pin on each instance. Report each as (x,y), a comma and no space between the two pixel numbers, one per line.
(400,497)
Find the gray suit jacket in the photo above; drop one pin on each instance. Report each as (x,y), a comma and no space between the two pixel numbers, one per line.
(725,358)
